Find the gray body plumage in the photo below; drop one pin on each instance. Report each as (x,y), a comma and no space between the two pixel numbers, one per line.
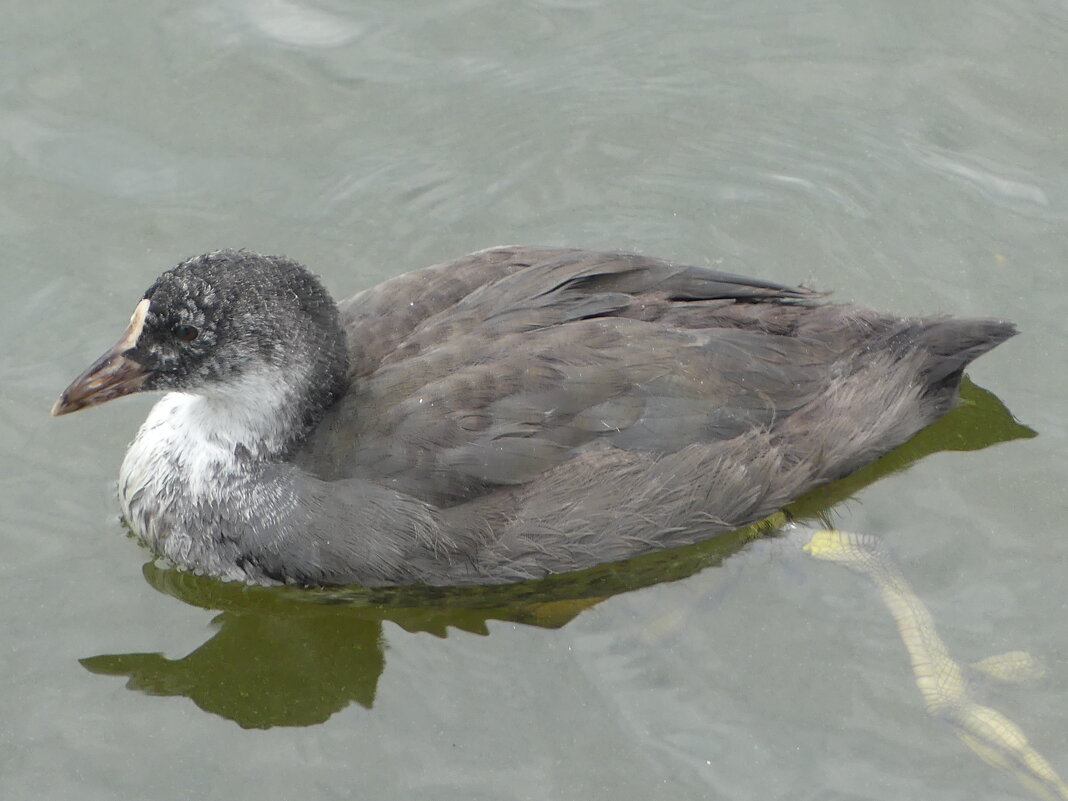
(513,413)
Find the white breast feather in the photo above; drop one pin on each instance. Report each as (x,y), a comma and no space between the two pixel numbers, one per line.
(184,458)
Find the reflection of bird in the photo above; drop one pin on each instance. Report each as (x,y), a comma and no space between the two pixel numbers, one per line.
(940,678)
(516,412)
(262,670)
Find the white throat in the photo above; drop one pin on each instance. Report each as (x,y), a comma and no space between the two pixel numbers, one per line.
(193,451)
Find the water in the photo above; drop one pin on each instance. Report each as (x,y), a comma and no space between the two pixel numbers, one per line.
(908,155)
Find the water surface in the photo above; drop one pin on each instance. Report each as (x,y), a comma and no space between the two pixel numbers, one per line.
(907,155)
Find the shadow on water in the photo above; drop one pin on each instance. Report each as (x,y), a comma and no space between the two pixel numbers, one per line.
(284,656)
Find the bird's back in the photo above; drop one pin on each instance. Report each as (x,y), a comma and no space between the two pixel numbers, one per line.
(521,376)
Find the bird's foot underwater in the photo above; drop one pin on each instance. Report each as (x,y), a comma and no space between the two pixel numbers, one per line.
(940,678)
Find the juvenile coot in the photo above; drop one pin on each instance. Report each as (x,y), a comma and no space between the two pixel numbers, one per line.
(516,412)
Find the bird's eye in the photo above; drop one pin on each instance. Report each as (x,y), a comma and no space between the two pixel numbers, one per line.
(186,333)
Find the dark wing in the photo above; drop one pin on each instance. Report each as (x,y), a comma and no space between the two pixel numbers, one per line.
(380,318)
(429,305)
(565,355)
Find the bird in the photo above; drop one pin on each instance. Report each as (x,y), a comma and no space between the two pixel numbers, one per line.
(514,413)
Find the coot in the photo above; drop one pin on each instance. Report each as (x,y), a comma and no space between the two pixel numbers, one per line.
(516,412)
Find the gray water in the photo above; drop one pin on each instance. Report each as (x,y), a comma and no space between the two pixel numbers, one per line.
(909,155)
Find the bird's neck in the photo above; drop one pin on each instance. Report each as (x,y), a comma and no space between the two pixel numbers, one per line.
(200,458)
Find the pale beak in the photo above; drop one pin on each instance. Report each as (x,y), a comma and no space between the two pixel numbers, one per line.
(111,376)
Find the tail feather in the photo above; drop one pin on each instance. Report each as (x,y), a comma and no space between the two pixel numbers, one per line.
(950,345)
